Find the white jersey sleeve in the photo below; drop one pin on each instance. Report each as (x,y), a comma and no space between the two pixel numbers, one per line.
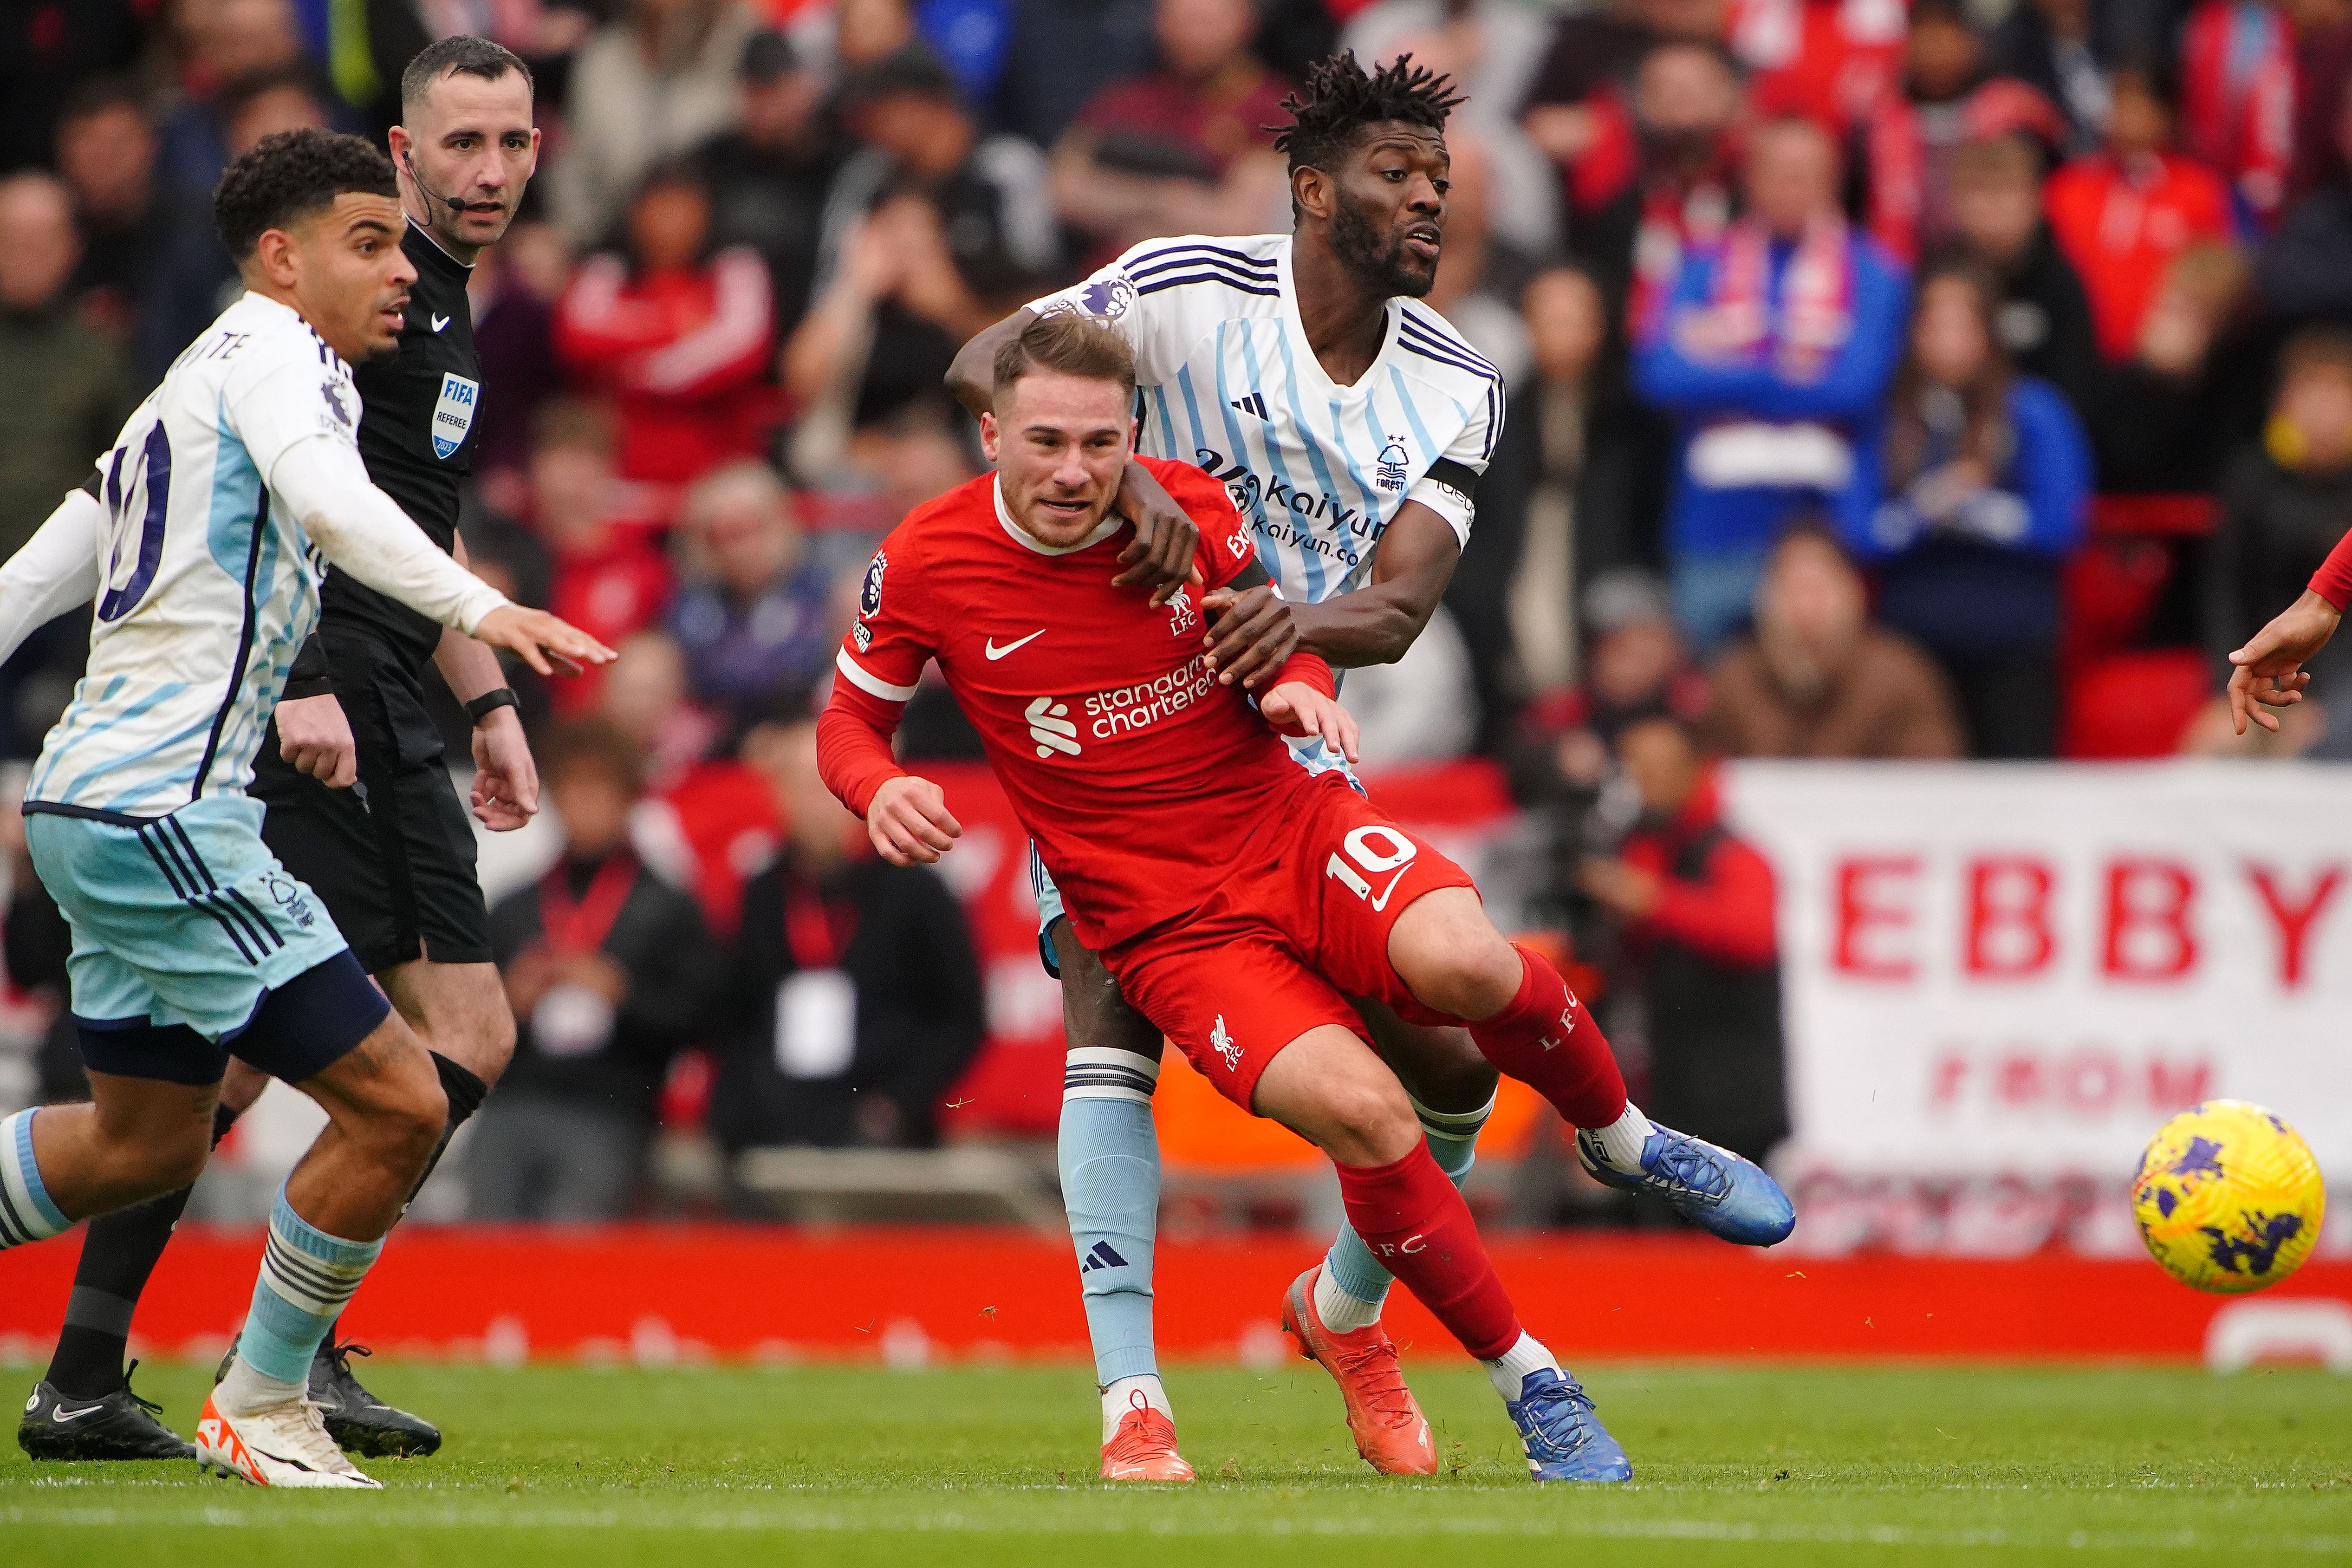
(1143,296)
(56,572)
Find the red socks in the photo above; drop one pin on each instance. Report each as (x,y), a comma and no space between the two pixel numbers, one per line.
(1551,1044)
(1418,1229)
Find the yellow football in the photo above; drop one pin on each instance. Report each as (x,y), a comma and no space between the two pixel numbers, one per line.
(2227,1197)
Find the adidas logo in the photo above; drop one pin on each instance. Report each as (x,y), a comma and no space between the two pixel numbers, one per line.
(1102,1257)
(1254,404)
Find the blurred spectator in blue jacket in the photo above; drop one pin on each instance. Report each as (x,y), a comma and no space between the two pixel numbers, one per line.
(752,617)
(1988,475)
(1772,353)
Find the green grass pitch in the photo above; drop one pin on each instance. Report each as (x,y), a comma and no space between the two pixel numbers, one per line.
(859,1466)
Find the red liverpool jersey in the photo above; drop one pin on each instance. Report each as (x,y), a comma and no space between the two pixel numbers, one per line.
(1137,775)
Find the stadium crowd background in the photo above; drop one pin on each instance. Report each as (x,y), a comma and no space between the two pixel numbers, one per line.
(2078,361)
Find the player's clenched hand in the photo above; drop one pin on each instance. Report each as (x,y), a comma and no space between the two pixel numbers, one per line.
(2269,667)
(1296,708)
(1250,633)
(316,737)
(1161,554)
(547,645)
(909,822)
(506,779)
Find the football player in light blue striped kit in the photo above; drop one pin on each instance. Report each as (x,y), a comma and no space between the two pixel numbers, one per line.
(202,537)
(1349,423)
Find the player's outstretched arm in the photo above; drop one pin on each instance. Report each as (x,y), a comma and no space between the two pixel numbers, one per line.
(2270,672)
(1251,631)
(56,570)
(363,531)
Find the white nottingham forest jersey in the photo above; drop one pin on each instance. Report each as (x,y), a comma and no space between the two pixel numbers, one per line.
(209,586)
(1226,381)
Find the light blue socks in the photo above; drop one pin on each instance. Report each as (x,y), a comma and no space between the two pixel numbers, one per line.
(307,1276)
(1109,1161)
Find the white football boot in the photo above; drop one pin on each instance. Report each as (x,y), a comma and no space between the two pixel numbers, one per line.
(284,1445)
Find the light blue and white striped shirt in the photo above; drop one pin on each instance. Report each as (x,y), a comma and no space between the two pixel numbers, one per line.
(1227,381)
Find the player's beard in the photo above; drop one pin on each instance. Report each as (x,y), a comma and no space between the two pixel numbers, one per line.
(1378,259)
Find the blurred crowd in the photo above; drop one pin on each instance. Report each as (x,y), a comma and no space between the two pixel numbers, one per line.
(1961,378)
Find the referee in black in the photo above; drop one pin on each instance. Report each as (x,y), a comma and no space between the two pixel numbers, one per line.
(394,856)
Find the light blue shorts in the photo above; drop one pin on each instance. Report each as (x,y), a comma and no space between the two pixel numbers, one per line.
(185,919)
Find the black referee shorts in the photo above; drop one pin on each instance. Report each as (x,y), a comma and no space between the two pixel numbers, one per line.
(392,858)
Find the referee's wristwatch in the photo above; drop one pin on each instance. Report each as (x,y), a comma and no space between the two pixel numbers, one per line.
(490,702)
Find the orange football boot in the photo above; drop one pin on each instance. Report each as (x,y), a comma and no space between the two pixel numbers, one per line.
(1391,1433)
(1143,1448)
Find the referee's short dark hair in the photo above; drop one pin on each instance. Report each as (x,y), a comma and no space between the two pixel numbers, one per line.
(462,54)
(287,176)
(1071,343)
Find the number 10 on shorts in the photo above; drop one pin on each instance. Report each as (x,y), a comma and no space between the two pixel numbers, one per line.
(1378,852)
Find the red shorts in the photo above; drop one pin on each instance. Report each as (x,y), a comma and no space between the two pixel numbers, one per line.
(1301,926)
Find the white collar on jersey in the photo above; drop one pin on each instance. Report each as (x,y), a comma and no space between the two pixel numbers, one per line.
(1104,529)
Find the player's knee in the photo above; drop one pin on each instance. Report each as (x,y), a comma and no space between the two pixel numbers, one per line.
(178,1161)
(411,1115)
(1368,1120)
(1453,958)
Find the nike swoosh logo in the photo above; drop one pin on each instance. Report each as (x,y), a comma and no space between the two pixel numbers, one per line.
(439,322)
(62,1414)
(995,653)
(1382,901)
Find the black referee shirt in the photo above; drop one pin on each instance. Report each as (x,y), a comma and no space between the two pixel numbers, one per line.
(417,436)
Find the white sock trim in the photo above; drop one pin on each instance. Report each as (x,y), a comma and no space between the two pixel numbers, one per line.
(246,1390)
(1340,1313)
(1509,1373)
(1118,1397)
(1620,1141)
(1455,1123)
(1106,1072)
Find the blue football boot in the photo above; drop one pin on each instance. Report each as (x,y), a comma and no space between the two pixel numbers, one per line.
(1713,1188)
(1564,1440)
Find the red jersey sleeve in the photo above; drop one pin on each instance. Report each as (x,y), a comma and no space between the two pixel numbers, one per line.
(1226,544)
(879,662)
(2333,580)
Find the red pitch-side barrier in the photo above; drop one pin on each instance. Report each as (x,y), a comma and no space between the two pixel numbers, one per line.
(658,1293)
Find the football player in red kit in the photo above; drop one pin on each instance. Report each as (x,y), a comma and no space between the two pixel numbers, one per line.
(1237,899)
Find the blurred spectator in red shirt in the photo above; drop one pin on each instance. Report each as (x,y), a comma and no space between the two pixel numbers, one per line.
(2238,99)
(647,699)
(1184,149)
(2122,214)
(2045,320)
(1819,677)
(1695,905)
(1910,138)
(1652,172)
(1828,60)
(608,580)
(678,336)
(754,616)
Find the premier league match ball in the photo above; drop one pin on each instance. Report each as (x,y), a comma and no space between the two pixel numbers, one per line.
(2227,1197)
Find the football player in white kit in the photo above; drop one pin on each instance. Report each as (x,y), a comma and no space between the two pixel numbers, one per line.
(1349,423)
(202,537)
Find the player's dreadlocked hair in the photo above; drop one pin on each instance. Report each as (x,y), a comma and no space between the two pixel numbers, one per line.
(288,174)
(1342,102)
